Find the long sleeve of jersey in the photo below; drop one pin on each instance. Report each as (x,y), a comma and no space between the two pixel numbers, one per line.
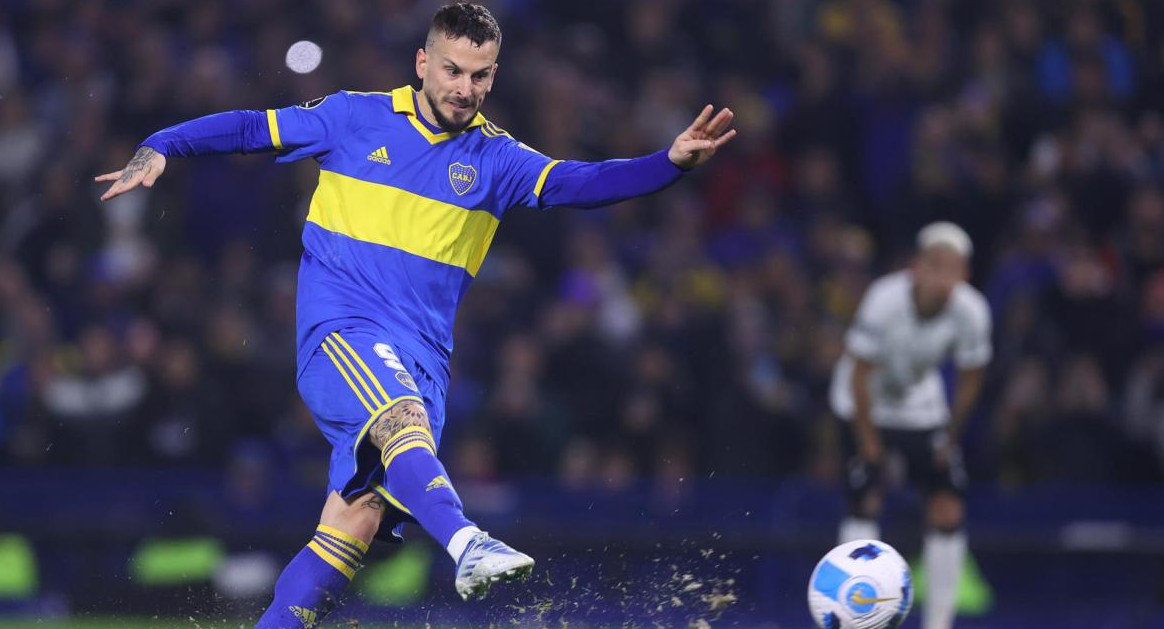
(241,131)
(308,130)
(536,181)
(597,184)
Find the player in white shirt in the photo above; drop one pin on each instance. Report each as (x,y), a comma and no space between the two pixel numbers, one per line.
(890,396)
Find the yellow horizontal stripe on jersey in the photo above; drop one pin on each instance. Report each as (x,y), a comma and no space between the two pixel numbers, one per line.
(273,125)
(403,220)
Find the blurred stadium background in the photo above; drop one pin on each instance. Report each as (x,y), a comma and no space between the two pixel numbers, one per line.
(639,393)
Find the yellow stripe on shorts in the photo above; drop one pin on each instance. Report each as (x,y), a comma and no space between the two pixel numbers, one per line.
(364,366)
(375,401)
(344,373)
(379,489)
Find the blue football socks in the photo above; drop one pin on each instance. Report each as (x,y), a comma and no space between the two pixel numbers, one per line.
(312,583)
(416,479)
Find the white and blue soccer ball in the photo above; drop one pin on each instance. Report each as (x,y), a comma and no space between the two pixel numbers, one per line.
(863,584)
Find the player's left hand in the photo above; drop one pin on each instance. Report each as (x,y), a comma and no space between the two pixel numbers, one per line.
(700,141)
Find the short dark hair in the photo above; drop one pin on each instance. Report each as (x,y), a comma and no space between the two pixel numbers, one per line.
(464,19)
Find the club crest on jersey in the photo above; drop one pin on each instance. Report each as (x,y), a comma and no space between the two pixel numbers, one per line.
(404,378)
(462,177)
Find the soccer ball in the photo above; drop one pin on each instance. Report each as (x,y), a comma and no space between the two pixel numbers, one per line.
(860,585)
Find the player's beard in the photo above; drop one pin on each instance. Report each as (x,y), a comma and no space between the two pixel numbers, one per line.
(443,122)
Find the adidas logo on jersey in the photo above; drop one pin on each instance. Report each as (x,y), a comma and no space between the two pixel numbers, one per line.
(380,155)
(305,616)
(437,483)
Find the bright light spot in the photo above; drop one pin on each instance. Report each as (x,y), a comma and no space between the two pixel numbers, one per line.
(304,56)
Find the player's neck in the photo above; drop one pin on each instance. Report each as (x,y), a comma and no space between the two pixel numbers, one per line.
(923,310)
(425,112)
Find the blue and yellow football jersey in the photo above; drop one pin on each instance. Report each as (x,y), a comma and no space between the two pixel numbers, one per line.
(398,227)
(402,217)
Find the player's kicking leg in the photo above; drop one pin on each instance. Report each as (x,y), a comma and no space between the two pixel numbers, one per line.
(312,583)
(415,478)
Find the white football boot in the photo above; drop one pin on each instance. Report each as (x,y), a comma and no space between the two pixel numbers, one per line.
(487,561)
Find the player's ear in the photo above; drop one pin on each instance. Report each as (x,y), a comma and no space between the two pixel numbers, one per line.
(421,62)
(492,78)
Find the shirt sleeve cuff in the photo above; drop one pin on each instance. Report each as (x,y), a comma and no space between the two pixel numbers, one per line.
(155,143)
(660,160)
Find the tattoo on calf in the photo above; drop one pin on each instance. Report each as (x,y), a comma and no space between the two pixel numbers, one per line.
(402,415)
(374,503)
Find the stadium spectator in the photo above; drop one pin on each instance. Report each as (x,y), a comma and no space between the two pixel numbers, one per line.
(1037,126)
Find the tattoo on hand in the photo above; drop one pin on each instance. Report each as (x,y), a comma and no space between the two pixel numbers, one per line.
(374,503)
(140,160)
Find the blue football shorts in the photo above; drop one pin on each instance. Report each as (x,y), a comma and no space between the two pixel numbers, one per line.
(351,379)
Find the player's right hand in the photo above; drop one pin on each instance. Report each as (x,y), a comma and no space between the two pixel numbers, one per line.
(144,169)
(700,141)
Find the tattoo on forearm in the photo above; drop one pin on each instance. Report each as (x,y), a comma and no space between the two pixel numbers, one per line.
(140,161)
(400,416)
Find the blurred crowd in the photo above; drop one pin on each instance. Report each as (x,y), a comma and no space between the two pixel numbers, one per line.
(684,335)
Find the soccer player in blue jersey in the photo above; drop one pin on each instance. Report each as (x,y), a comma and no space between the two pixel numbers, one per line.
(412,186)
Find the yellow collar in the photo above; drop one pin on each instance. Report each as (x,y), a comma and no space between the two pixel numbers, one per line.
(402,103)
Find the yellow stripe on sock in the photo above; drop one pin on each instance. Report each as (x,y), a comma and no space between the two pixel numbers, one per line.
(332,560)
(407,432)
(352,369)
(346,553)
(344,373)
(364,366)
(406,438)
(334,532)
(409,435)
(388,456)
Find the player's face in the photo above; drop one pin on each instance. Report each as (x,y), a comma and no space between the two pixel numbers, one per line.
(936,272)
(456,76)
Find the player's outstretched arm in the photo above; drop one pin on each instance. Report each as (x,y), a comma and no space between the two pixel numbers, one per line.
(240,131)
(144,169)
(702,138)
(598,184)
